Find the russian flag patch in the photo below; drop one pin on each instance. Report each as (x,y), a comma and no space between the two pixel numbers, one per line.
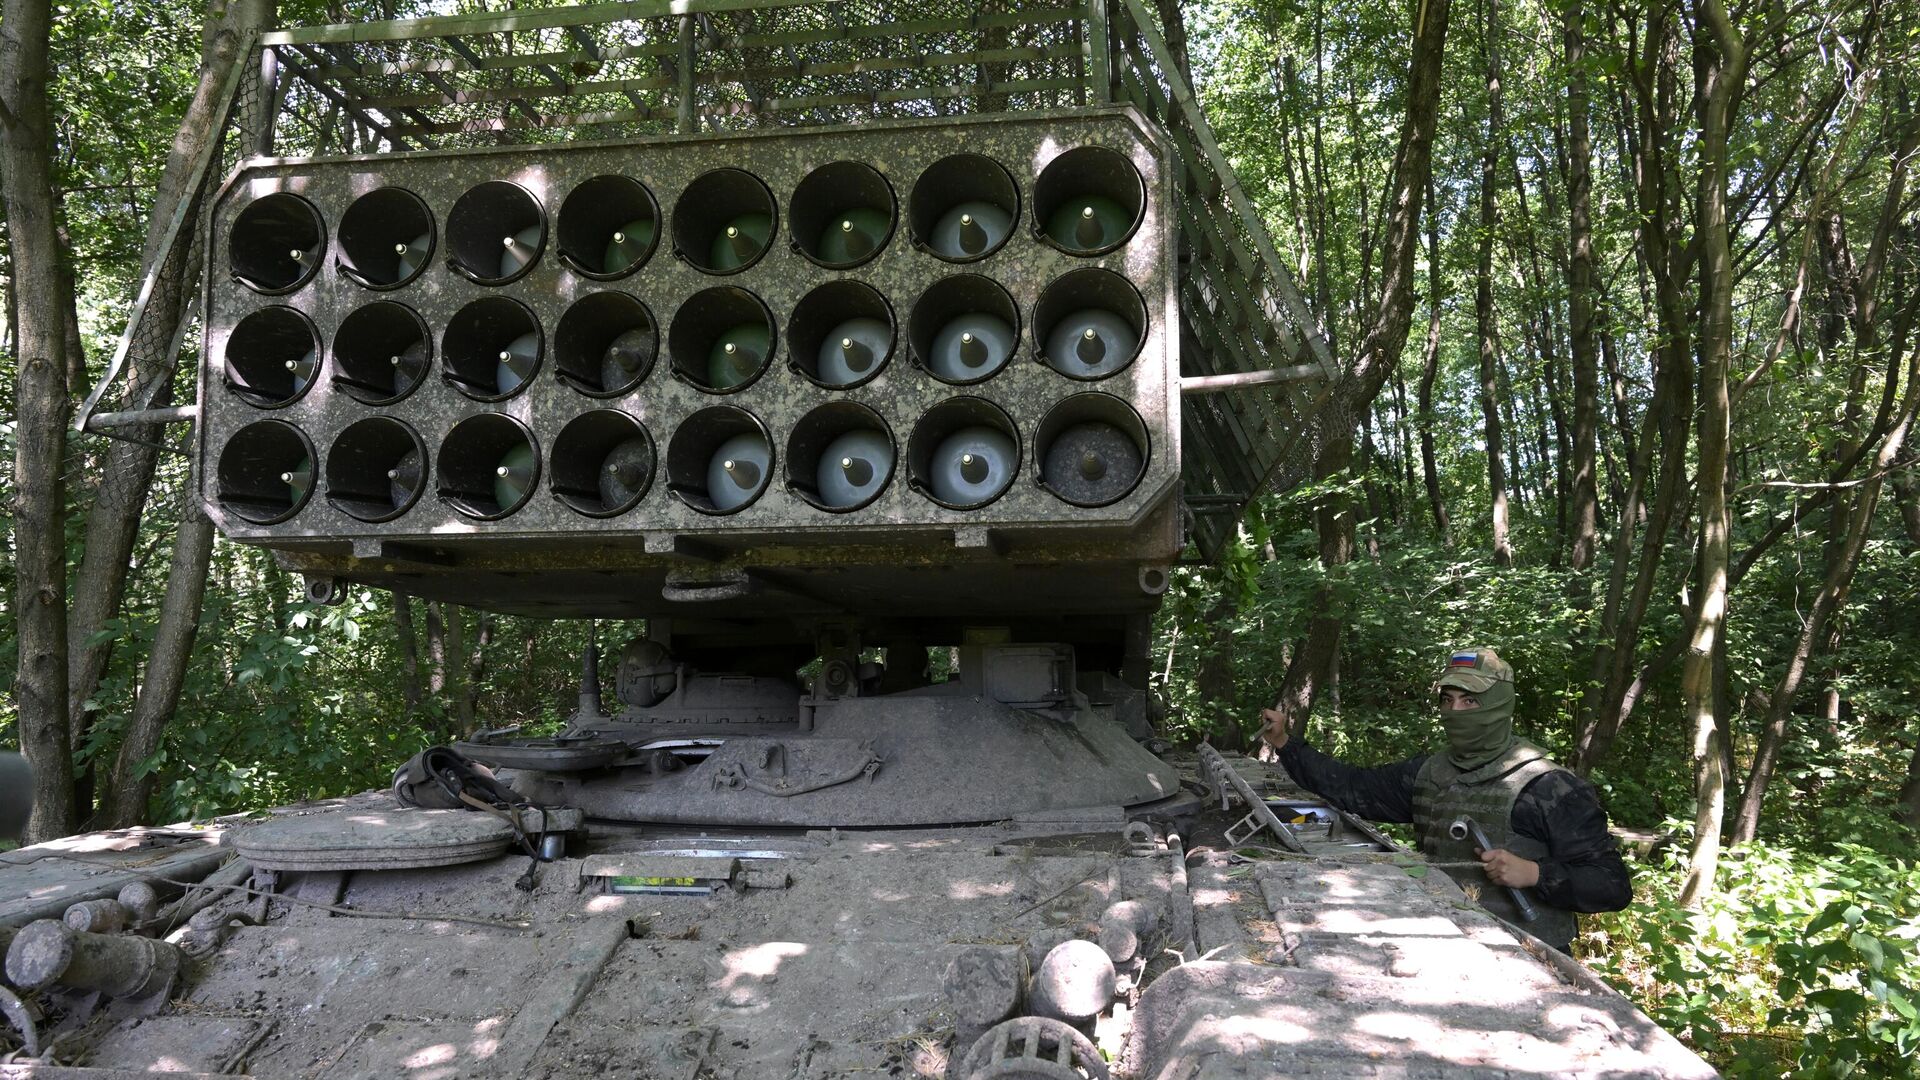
(1464,659)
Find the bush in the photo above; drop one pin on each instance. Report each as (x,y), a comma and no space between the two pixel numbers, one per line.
(1800,964)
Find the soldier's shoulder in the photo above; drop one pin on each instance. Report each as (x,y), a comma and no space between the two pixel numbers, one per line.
(1558,783)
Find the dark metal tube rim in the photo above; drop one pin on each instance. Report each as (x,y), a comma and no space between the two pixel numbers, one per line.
(358,276)
(805,246)
(454,222)
(338,502)
(309,269)
(798,348)
(560,447)
(876,422)
(652,205)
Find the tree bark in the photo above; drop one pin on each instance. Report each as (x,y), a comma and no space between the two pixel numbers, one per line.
(40,408)
(457,682)
(113,519)
(1842,562)
(1315,662)
(1720,68)
(477,666)
(1585,512)
(1483,292)
(1909,801)
(436,649)
(129,790)
(1656,198)
(1907,492)
(1214,677)
(1430,370)
(409,651)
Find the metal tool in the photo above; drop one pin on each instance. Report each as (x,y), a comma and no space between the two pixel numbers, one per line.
(1464,827)
(1228,784)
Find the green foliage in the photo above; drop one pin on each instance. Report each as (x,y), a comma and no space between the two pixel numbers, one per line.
(1403,611)
(1801,963)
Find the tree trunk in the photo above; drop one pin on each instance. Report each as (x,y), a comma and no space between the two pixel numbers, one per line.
(1617,393)
(410,690)
(40,409)
(436,649)
(477,666)
(1483,292)
(1214,677)
(1430,370)
(1842,564)
(457,683)
(1907,491)
(1720,68)
(1909,802)
(130,790)
(113,519)
(1585,512)
(1315,661)
(1656,197)
(276,583)
(1606,641)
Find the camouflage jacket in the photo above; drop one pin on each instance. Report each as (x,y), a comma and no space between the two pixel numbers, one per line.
(1582,870)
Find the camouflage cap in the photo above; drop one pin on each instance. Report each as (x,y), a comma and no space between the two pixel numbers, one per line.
(1473,670)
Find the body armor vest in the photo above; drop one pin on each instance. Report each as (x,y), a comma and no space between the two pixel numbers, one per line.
(1443,792)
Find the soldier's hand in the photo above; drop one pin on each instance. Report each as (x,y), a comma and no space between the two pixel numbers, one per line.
(1275,733)
(1505,868)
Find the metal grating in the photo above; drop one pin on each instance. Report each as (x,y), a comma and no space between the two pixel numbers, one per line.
(622,71)
(1239,308)
(656,67)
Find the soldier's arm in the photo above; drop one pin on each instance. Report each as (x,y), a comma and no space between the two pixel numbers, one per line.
(1382,793)
(1582,870)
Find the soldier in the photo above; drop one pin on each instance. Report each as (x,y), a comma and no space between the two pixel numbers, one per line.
(1546,825)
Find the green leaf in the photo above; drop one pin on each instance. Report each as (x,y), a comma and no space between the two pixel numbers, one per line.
(1869,949)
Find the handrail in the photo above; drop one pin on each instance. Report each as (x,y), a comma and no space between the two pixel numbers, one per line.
(190,197)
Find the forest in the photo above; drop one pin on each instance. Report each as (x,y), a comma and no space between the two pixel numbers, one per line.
(1622,297)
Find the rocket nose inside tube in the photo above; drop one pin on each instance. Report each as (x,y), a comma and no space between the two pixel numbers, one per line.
(381,352)
(272,357)
(276,243)
(265,472)
(491,348)
(840,457)
(386,238)
(719,460)
(963,453)
(721,339)
(963,207)
(602,463)
(1092,450)
(841,334)
(1088,201)
(842,214)
(496,232)
(608,227)
(1090,323)
(488,466)
(964,329)
(376,469)
(605,344)
(724,221)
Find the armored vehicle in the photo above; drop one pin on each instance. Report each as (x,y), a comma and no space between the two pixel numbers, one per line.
(883,357)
